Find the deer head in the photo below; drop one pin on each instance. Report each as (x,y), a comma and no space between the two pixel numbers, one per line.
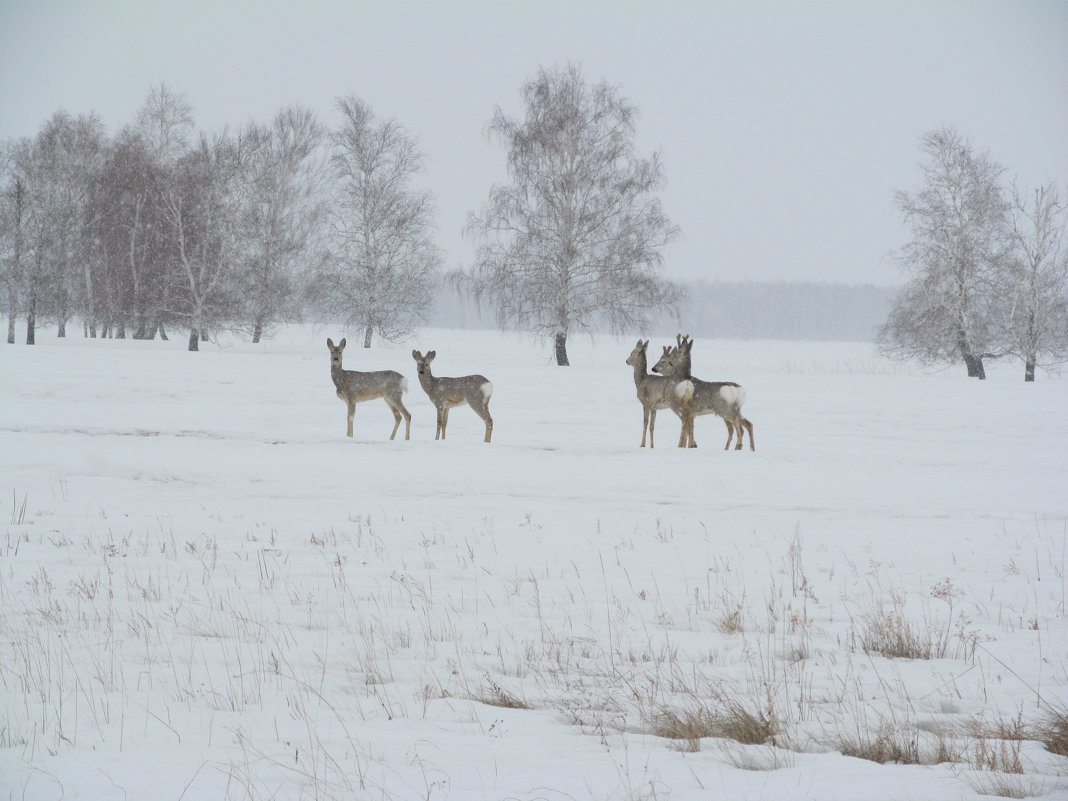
(335,352)
(422,363)
(675,360)
(637,356)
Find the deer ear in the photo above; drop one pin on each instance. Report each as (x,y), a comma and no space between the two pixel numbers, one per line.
(415,355)
(430,356)
(341,344)
(330,343)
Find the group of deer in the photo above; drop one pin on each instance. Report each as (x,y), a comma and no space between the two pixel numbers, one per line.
(674,387)
(355,387)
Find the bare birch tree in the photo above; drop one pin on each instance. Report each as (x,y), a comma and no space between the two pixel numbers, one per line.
(55,171)
(282,206)
(79,154)
(140,272)
(959,246)
(577,237)
(37,228)
(379,268)
(12,220)
(1035,289)
(165,120)
(201,205)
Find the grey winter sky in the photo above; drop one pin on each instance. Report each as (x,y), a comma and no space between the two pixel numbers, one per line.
(784,127)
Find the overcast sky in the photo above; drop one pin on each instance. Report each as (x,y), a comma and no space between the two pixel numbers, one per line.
(784,127)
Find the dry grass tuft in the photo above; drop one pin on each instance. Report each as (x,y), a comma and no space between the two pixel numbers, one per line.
(996,756)
(890,743)
(995,747)
(757,757)
(1009,785)
(729,719)
(893,636)
(730,622)
(1052,731)
(1012,729)
(492,694)
(686,725)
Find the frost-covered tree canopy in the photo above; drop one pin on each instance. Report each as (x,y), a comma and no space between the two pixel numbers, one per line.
(578,233)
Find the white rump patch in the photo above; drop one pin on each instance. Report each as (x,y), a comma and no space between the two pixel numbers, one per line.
(684,390)
(487,391)
(735,396)
(404,385)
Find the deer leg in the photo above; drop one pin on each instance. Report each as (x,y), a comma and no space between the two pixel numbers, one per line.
(645,423)
(736,422)
(749,427)
(730,433)
(686,416)
(437,430)
(652,425)
(691,437)
(351,415)
(396,405)
(396,419)
(444,420)
(483,412)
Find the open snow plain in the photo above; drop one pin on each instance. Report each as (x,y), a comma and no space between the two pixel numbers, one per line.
(209,592)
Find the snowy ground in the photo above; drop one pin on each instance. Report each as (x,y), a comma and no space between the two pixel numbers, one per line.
(208,592)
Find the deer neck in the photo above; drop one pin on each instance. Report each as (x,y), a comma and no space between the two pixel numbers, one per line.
(683,370)
(427,381)
(337,373)
(641,373)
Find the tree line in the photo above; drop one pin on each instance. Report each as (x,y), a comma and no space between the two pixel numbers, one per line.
(163,227)
(987,265)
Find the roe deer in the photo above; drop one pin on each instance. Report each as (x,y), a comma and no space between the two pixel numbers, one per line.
(354,387)
(723,398)
(444,393)
(660,392)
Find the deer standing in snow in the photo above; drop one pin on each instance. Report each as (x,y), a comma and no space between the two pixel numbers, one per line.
(660,392)
(723,398)
(355,387)
(445,393)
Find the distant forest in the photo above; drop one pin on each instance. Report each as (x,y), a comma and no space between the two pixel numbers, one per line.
(732,310)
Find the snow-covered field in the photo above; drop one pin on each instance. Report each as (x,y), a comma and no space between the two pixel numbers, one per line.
(208,592)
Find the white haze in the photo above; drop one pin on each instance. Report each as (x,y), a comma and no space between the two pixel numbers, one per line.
(785,127)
